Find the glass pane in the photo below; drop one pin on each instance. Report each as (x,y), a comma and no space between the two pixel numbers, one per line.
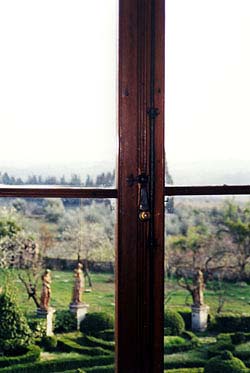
(57,90)
(207,91)
(57,261)
(207,276)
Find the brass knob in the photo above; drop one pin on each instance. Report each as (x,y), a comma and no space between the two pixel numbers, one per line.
(144,215)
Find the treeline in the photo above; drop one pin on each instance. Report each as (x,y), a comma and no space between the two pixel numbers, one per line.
(102,180)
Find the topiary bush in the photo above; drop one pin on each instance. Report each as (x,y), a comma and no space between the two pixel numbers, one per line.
(238,338)
(219,347)
(95,322)
(15,334)
(65,322)
(37,326)
(224,363)
(49,343)
(107,335)
(231,322)
(187,317)
(173,323)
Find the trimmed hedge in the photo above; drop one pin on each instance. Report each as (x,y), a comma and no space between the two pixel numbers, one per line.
(32,354)
(231,322)
(185,370)
(238,338)
(173,323)
(103,369)
(225,363)
(95,322)
(219,347)
(187,317)
(107,335)
(171,347)
(67,345)
(98,342)
(49,343)
(61,365)
(190,359)
(65,322)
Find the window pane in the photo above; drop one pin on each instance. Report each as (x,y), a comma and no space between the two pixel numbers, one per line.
(58,89)
(37,235)
(207,91)
(206,280)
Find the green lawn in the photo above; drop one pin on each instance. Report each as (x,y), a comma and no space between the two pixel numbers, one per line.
(237,297)
(101,298)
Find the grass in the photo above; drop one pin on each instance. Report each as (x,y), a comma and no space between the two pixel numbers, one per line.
(237,297)
(100,299)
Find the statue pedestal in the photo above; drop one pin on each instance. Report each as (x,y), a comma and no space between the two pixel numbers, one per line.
(48,316)
(80,310)
(199,318)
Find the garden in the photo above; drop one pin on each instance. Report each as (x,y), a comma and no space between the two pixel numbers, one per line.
(207,265)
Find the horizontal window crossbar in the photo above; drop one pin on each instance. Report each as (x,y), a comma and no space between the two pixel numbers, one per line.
(206,190)
(57,192)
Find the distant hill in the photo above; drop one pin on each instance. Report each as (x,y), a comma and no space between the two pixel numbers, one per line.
(199,173)
(213,172)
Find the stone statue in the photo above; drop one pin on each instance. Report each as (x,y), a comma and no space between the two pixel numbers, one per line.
(78,285)
(46,290)
(198,288)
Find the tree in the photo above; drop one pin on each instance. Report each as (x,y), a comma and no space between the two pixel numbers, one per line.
(84,233)
(54,209)
(194,255)
(234,225)
(19,250)
(23,254)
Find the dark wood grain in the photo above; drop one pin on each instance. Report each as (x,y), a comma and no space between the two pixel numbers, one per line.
(57,192)
(139,267)
(200,190)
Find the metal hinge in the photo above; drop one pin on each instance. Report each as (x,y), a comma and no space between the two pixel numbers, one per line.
(143,204)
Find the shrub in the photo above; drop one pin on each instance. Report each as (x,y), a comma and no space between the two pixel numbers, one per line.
(98,342)
(238,338)
(49,343)
(187,317)
(15,334)
(61,365)
(225,363)
(67,345)
(189,359)
(173,323)
(38,327)
(174,344)
(65,322)
(186,370)
(220,346)
(32,354)
(107,335)
(103,369)
(230,322)
(96,322)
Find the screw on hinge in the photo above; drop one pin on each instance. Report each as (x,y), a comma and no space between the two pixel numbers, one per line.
(153,112)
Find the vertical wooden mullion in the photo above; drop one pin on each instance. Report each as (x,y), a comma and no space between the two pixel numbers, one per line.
(139,268)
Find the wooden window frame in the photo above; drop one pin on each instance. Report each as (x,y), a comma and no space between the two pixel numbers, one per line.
(139,266)
(139,263)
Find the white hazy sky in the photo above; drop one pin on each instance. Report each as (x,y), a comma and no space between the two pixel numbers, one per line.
(207,80)
(58,80)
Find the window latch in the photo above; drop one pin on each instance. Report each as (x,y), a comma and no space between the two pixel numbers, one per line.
(143,201)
